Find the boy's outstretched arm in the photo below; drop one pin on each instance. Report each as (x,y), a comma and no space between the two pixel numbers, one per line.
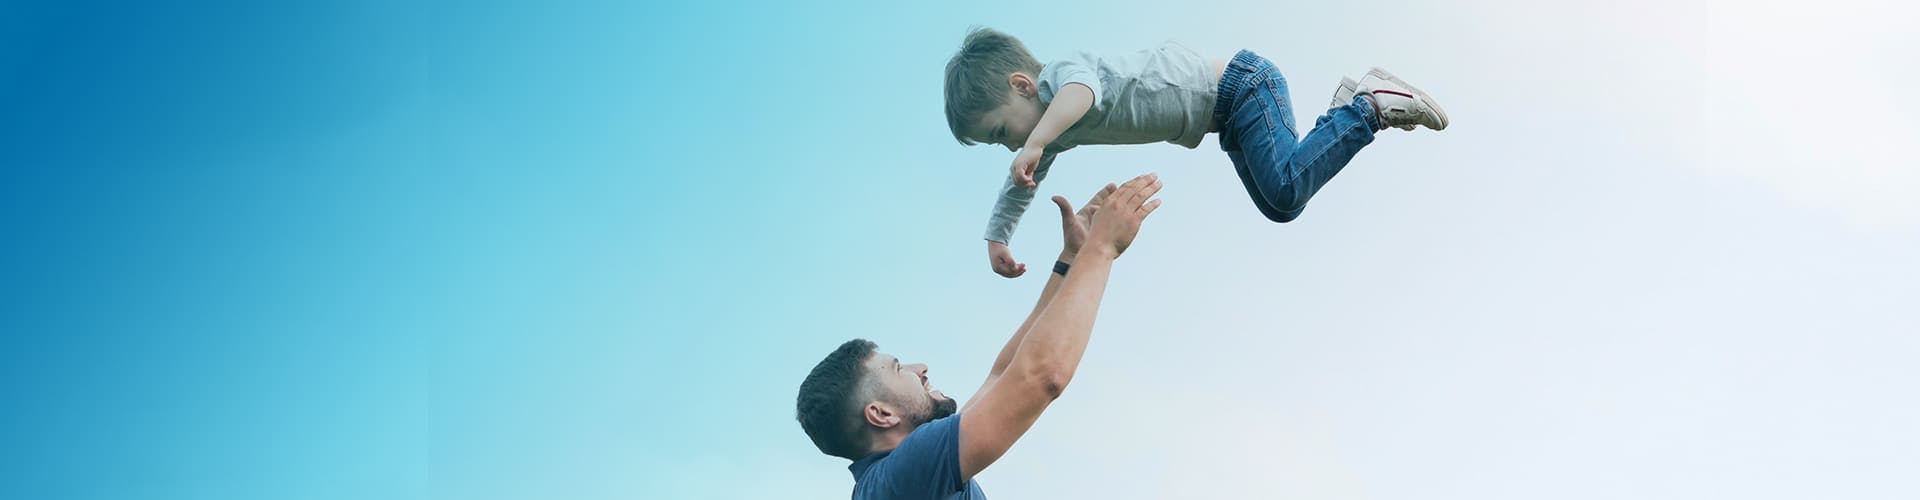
(1007,210)
(1069,104)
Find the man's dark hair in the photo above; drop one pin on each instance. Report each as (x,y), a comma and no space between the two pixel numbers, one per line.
(829,402)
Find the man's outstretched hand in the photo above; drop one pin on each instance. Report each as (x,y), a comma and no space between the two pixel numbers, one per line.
(1073,225)
(1118,219)
(1077,227)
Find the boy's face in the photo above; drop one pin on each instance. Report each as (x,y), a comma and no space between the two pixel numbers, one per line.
(1011,123)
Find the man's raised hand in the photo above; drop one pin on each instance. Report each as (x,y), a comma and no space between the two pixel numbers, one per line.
(1118,219)
(1073,225)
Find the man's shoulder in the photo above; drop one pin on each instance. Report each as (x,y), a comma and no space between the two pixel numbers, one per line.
(926,461)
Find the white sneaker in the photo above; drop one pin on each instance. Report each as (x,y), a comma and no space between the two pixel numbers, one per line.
(1344,95)
(1399,103)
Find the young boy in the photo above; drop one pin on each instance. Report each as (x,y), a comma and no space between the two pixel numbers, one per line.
(997,93)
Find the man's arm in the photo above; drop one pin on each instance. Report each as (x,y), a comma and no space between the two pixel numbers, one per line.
(1073,233)
(1050,352)
(1013,345)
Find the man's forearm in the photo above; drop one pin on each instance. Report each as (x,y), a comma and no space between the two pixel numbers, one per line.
(1052,346)
(1071,103)
(1013,345)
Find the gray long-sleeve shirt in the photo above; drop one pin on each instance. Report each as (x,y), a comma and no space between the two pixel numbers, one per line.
(1164,94)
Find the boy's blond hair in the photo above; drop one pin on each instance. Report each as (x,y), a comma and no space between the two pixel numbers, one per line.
(977,77)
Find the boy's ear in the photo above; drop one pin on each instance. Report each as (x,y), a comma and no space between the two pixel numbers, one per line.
(1022,84)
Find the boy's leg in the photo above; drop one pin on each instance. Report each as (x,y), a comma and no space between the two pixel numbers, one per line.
(1253,191)
(1287,172)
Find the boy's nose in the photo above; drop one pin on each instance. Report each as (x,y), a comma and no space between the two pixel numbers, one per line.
(1010,148)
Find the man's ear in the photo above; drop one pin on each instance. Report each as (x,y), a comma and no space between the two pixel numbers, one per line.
(881,415)
(1022,85)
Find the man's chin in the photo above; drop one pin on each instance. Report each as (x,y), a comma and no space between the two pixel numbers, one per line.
(943,406)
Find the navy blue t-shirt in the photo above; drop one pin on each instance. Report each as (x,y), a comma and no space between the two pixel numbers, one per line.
(926,466)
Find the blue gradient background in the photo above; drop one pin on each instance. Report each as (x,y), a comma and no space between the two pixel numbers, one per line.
(487,251)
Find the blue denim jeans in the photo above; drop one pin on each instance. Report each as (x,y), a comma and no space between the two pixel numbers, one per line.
(1255,118)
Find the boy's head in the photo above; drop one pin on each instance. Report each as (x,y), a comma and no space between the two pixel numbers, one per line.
(991,93)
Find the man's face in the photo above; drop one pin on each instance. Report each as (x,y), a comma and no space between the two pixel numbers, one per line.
(905,386)
(1010,124)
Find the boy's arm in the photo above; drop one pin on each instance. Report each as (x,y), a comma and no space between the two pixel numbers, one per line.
(1069,104)
(1012,203)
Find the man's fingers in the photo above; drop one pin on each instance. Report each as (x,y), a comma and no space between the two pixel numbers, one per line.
(1066,210)
(1147,209)
(1125,192)
(1133,193)
(1150,189)
(1102,194)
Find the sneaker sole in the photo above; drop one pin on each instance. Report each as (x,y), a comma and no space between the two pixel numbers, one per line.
(1426,99)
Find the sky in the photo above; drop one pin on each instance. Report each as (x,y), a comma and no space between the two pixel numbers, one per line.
(497,250)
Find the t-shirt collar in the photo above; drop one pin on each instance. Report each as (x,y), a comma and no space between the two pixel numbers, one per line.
(859,467)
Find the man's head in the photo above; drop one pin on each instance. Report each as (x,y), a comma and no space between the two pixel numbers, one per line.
(991,94)
(856,394)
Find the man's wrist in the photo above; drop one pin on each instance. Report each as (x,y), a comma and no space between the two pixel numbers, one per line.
(1096,252)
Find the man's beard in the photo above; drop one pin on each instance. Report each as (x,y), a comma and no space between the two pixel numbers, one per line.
(942,407)
(937,408)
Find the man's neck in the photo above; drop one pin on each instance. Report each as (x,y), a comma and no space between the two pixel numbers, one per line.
(887,441)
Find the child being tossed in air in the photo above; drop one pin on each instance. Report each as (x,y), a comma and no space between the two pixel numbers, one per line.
(997,93)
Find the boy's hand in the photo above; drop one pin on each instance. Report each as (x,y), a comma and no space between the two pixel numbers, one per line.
(1023,165)
(1118,219)
(1002,260)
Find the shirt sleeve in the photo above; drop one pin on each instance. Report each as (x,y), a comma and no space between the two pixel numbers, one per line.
(1013,202)
(926,464)
(1078,69)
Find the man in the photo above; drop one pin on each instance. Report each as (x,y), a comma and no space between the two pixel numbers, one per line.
(905,438)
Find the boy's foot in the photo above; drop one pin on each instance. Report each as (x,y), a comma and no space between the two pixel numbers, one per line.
(1399,103)
(1344,95)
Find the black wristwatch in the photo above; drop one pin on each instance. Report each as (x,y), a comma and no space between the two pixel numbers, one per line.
(1060,267)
